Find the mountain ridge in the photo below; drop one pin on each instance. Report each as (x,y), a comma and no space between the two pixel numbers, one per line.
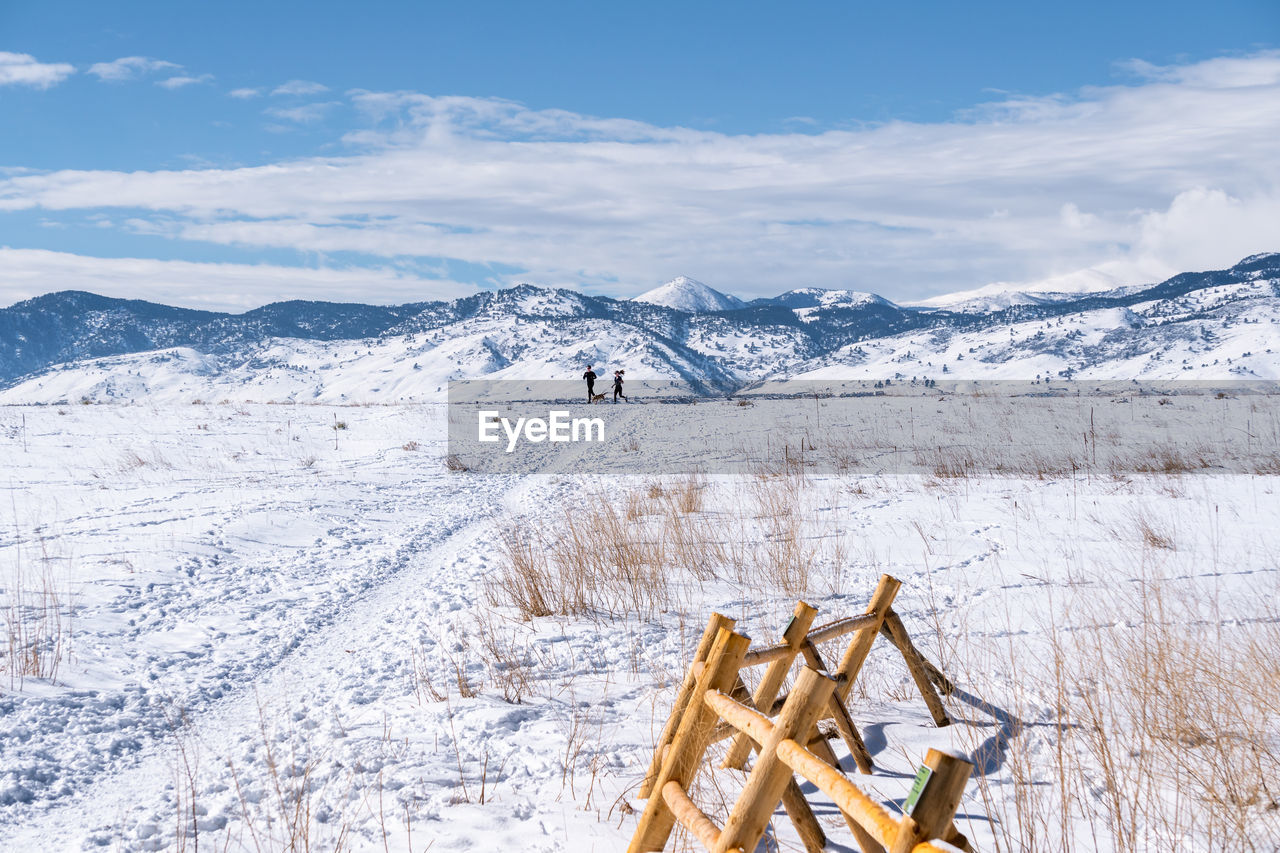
(73,344)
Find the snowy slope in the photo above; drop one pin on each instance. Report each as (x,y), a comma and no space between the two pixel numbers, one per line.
(280,627)
(998,295)
(394,369)
(1229,331)
(694,297)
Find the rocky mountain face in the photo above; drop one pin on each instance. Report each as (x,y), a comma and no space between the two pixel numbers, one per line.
(73,345)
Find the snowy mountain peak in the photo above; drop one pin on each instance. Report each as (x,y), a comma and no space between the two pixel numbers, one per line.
(685,294)
(817,297)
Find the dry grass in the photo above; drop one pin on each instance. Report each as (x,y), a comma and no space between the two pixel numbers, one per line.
(37,619)
(1165,460)
(1148,725)
(288,793)
(605,557)
(627,555)
(1152,532)
(1264,465)
(688,493)
(586,565)
(289,812)
(789,554)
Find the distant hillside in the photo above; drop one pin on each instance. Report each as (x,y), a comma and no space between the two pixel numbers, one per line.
(72,345)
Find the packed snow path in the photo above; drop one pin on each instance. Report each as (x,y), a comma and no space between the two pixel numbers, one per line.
(290,578)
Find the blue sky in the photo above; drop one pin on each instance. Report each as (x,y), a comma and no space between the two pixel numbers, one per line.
(229,154)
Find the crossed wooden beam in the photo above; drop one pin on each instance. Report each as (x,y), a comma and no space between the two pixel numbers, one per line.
(713,704)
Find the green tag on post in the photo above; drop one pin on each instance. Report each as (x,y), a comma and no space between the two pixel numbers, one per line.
(917,788)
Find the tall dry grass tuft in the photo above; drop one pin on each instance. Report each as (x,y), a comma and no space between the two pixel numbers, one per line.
(1167,460)
(687,494)
(526,579)
(1152,532)
(627,555)
(38,621)
(592,563)
(791,548)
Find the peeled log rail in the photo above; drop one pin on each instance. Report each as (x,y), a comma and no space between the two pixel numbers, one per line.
(915,665)
(840,713)
(794,638)
(847,796)
(690,816)
(821,635)
(770,776)
(680,762)
(895,632)
(750,722)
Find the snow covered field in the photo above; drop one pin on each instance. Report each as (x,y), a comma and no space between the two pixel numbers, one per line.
(268,625)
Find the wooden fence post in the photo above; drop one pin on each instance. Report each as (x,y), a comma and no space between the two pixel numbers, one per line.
(770,776)
(692,737)
(774,676)
(945,686)
(860,646)
(714,624)
(855,655)
(798,809)
(916,665)
(935,809)
(840,712)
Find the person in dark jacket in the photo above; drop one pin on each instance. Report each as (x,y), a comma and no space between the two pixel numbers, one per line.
(617,387)
(591,383)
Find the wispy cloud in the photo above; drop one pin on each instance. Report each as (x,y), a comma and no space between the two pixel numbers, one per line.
(245,93)
(1176,171)
(130,68)
(184,80)
(300,87)
(212,286)
(1226,71)
(22,69)
(304,114)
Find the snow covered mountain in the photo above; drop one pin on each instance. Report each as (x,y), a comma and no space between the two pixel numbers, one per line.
(70,346)
(694,297)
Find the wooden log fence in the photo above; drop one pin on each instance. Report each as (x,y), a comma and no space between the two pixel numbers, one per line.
(713,704)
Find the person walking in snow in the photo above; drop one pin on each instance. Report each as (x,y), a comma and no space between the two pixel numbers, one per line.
(617,387)
(591,383)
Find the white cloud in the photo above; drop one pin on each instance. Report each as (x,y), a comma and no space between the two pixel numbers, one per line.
(1176,171)
(22,69)
(1227,71)
(210,286)
(304,114)
(130,68)
(184,80)
(300,87)
(245,93)
(1203,226)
